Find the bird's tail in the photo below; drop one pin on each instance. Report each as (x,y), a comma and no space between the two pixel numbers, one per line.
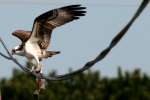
(51,53)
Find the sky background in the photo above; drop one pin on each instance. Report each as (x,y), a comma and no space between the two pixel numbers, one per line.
(82,40)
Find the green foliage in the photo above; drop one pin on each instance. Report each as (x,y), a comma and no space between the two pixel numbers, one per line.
(85,86)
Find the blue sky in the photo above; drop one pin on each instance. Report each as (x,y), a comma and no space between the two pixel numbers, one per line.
(80,41)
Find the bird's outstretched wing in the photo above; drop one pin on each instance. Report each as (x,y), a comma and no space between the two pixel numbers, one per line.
(22,35)
(45,23)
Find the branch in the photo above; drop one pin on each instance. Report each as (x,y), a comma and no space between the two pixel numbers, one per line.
(89,64)
(6,57)
(3,55)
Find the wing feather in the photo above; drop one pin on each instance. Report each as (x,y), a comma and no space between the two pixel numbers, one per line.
(22,35)
(45,23)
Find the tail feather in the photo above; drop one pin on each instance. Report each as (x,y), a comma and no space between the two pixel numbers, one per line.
(51,53)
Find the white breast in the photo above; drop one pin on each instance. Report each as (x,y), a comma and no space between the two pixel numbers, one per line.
(32,49)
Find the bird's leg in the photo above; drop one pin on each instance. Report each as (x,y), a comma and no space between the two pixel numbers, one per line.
(40,84)
(33,67)
(30,63)
(37,66)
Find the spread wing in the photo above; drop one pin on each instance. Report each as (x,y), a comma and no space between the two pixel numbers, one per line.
(22,35)
(45,23)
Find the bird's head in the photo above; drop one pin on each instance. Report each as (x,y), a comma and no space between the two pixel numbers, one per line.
(16,50)
(13,51)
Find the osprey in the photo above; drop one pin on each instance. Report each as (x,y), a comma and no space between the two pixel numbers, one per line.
(35,43)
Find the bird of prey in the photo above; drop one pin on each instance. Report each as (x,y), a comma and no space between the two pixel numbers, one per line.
(36,42)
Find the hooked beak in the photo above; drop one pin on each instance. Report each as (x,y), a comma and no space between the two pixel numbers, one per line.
(12,52)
